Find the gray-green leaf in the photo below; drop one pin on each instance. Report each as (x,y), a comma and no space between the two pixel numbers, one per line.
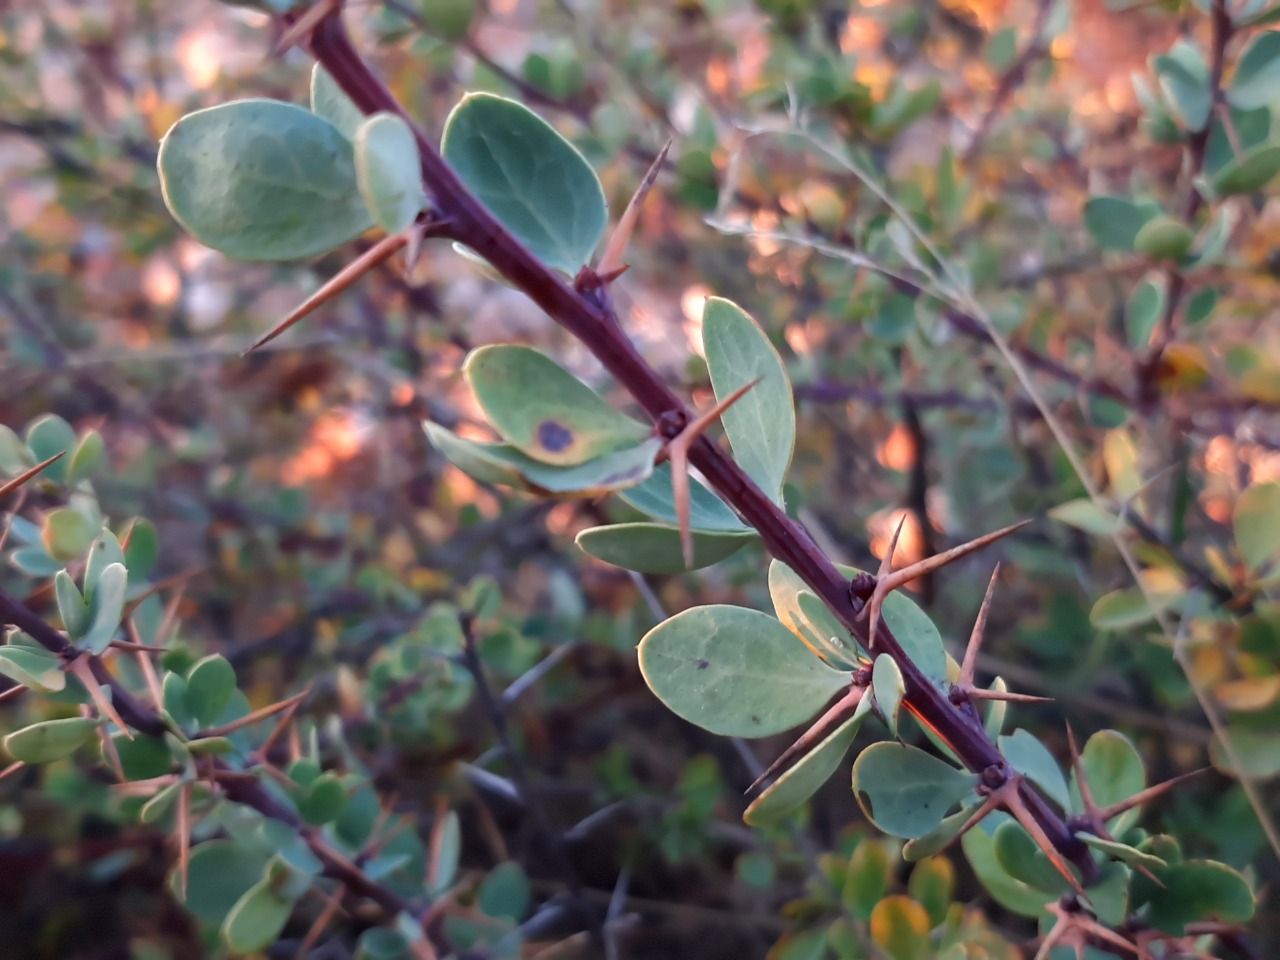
(528,176)
(905,791)
(262,180)
(389,172)
(735,671)
(761,425)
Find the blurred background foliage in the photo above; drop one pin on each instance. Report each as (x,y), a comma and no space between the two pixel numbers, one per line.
(324,546)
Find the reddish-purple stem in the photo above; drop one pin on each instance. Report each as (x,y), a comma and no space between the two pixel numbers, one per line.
(596,325)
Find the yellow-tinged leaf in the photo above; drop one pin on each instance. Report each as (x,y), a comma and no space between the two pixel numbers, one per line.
(1261,383)
(900,926)
(1120,455)
(1182,367)
(1252,693)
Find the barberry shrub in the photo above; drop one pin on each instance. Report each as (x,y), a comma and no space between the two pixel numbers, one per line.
(274,814)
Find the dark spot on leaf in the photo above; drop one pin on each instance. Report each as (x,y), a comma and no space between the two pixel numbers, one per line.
(864,801)
(703,664)
(553,436)
(755,719)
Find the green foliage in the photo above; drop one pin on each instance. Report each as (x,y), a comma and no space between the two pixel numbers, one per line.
(991,366)
(655,547)
(762,424)
(388,172)
(905,791)
(532,179)
(734,671)
(50,739)
(329,102)
(800,782)
(543,410)
(262,180)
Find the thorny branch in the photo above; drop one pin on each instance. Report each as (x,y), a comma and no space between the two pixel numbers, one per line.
(592,320)
(245,790)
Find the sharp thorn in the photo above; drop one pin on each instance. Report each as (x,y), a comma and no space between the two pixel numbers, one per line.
(149,675)
(886,562)
(1016,806)
(414,239)
(611,259)
(305,23)
(256,716)
(1096,929)
(178,580)
(331,907)
(970,664)
(680,491)
(1082,781)
(113,755)
(1143,796)
(837,714)
(939,560)
(978,693)
(346,277)
(700,424)
(183,827)
(26,475)
(81,667)
(677,451)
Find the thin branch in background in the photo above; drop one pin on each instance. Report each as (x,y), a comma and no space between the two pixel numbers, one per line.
(493,709)
(241,788)
(1010,79)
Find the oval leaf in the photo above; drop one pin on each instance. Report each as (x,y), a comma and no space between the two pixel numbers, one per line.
(1184,80)
(1114,222)
(220,872)
(67,534)
(33,667)
(50,739)
(1257,78)
(1249,172)
(545,411)
(529,177)
(1113,769)
(46,437)
(329,102)
(887,682)
(706,510)
(1029,756)
(262,180)
(210,684)
(1256,522)
(900,926)
(502,463)
(810,619)
(105,608)
(655,547)
(1199,890)
(761,425)
(905,791)
(735,672)
(389,172)
(801,781)
(256,920)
